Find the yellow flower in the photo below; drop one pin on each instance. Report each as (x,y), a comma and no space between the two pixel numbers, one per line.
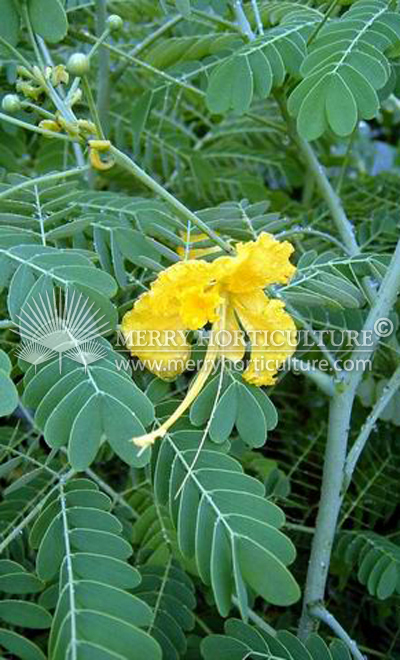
(227,293)
(50,125)
(59,75)
(99,155)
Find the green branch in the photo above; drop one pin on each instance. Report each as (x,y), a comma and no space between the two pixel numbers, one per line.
(36,129)
(358,446)
(182,210)
(319,612)
(323,380)
(103,74)
(333,479)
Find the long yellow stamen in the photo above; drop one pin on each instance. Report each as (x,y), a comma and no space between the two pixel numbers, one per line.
(197,385)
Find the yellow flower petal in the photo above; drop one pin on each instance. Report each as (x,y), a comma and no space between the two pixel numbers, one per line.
(159,343)
(183,297)
(257,264)
(272,334)
(187,290)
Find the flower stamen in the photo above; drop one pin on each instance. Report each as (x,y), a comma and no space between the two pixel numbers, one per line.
(200,380)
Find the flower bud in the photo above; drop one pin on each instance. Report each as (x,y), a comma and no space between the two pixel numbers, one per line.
(78,64)
(11,103)
(114,23)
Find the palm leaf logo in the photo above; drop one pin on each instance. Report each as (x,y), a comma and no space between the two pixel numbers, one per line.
(69,328)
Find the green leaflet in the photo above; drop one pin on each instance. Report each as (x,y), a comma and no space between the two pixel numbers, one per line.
(346,65)
(242,640)
(183,6)
(81,541)
(241,405)
(257,67)
(9,393)
(81,406)
(234,536)
(170,590)
(181,49)
(377,560)
(20,646)
(49,19)
(14,579)
(9,28)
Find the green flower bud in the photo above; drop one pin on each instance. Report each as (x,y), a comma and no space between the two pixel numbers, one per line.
(11,103)
(115,22)
(78,64)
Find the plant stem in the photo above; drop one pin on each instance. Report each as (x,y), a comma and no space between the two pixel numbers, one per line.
(255,618)
(150,39)
(333,480)
(103,76)
(61,102)
(27,19)
(31,515)
(88,38)
(15,52)
(326,617)
(322,23)
(323,380)
(329,507)
(242,20)
(35,129)
(257,17)
(326,190)
(332,200)
(128,164)
(358,446)
(92,106)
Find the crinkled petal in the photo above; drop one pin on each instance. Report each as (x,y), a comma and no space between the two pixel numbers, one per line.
(256,265)
(272,334)
(185,289)
(160,343)
(183,297)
